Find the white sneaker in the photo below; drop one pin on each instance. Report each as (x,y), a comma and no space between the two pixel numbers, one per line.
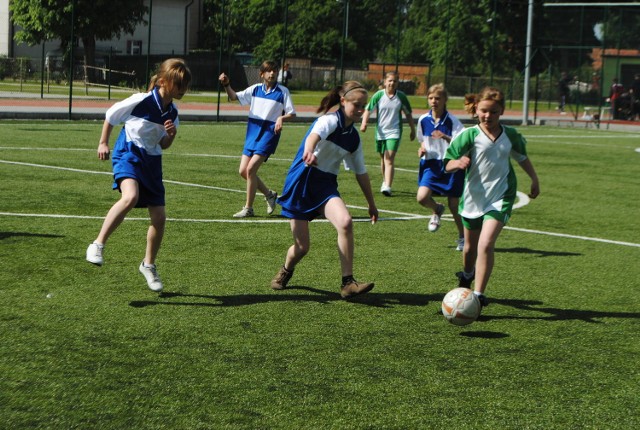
(271,202)
(151,275)
(94,254)
(460,244)
(386,190)
(434,222)
(244,213)
(383,187)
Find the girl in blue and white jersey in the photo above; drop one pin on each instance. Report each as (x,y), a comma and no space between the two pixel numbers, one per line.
(311,186)
(150,126)
(270,105)
(436,129)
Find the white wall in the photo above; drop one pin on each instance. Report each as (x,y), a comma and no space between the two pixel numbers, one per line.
(5,43)
(167,31)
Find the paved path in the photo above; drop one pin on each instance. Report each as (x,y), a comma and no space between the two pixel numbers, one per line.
(18,105)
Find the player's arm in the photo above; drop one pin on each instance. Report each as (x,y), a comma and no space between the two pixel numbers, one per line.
(308,156)
(412,125)
(365,120)
(103,145)
(527,166)
(365,185)
(226,84)
(281,119)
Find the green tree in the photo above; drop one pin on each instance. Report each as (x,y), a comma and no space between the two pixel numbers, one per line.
(42,20)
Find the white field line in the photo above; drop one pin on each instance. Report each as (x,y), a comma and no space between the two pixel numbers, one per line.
(400,216)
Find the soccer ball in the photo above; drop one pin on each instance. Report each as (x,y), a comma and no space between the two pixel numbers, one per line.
(460,306)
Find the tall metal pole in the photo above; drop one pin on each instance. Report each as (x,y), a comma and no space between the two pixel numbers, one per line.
(527,68)
(149,41)
(222,12)
(72,55)
(284,38)
(345,29)
(446,45)
(398,36)
(493,39)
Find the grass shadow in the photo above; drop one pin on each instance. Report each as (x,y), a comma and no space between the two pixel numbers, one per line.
(540,253)
(8,234)
(380,300)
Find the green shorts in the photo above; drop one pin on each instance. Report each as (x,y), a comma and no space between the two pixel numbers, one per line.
(476,223)
(387,145)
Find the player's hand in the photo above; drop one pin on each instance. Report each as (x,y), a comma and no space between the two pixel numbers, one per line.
(309,158)
(373,214)
(224,79)
(464,162)
(437,134)
(535,190)
(103,151)
(170,128)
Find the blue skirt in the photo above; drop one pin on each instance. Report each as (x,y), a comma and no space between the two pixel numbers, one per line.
(432,175)
(305,192)
(131,161)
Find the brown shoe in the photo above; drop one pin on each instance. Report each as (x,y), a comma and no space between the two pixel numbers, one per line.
(282,279)
(353,288)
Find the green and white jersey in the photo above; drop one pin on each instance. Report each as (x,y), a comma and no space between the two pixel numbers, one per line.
(389,112)
(490,181)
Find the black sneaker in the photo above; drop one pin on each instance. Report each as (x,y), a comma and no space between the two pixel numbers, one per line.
(484,302)
(463,282)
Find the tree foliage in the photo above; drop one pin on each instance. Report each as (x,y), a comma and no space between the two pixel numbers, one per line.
(42,20)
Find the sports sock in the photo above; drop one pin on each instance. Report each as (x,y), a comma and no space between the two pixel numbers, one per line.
(347,279)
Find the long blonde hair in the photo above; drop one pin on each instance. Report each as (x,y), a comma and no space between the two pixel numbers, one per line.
(174,72)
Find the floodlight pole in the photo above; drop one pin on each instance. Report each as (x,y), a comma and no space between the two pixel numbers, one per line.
(149,40)
(345,30)
(72,55)
(284,39)
(527,68)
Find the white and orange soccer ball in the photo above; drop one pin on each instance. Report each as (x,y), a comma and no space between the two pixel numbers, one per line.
(460,306)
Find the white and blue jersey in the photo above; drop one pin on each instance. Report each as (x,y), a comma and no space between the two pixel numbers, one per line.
(137,153)
(265,108)
(308,188)
(431,173)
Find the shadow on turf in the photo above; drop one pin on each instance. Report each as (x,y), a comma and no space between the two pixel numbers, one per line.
(553,314)
(384,300)
(540,253)
(8,234)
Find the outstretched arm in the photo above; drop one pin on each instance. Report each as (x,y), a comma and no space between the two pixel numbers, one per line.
(224,80)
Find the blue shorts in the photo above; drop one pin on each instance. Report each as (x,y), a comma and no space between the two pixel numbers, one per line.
(261,139)
(431,174)
(131,161)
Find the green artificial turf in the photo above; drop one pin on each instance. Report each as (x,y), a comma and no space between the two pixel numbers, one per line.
(92,348)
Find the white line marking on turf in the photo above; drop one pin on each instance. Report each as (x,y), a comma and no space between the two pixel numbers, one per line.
(283,220)
(523,200)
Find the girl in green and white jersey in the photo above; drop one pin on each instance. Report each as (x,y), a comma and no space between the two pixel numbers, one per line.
(389,103)
(490,183)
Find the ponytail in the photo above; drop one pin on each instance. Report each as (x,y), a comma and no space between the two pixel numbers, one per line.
(337,93)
